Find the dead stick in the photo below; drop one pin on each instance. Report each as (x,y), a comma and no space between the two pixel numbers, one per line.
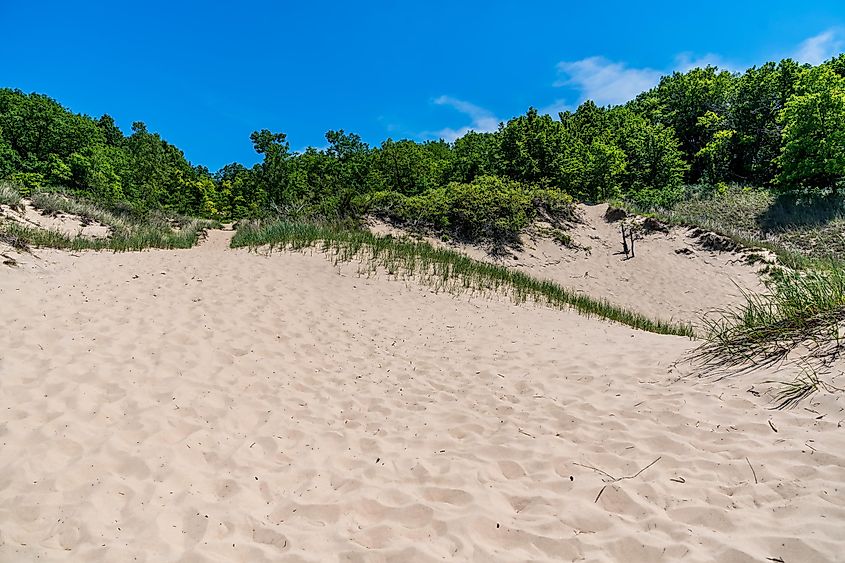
(752,471)
(624,242)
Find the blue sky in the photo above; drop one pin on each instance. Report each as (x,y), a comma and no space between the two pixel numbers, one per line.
(206,74)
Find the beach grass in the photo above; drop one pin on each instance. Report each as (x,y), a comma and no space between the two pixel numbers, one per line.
(799,321)
(127,232)
(803,235)
(140,237)
(9,195)
(444,269)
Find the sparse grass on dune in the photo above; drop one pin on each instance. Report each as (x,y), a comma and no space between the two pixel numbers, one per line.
(53,202)
(798,321)
(128,233)
(139,238)
(803,235)
(444,269)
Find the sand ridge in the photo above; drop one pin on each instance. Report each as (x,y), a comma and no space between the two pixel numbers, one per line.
(671,277)
(217,405)
(65,223)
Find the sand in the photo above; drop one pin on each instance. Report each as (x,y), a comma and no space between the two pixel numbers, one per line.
(217,405)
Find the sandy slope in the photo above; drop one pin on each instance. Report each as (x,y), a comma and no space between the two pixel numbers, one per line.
(65,223)
(213,405)
(670,277)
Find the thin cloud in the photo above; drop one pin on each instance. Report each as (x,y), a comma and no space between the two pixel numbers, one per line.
(819,48)
(604,81)
(688,61)
(482,120)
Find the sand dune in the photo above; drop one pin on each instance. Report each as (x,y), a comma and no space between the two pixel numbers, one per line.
(216,405)
(671,277)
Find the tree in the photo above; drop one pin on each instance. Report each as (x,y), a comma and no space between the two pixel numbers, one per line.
(680,100)
(273,170)
(473,155)
(655,164)
(759,96)
(813,154)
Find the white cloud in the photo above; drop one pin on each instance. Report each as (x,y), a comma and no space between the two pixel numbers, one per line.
(819,48)
(606,82)
(482,120)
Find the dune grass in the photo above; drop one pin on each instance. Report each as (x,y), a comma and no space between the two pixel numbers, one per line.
(9,195)
(797,322)
(804,235)
(139,238)
(444,269)
(127,232)
(54,202)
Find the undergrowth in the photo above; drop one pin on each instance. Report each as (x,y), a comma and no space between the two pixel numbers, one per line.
(444,269)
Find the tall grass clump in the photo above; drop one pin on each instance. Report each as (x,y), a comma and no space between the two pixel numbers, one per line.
(9,195)
(128,230)
(798,321)
(54,202)
(442,268)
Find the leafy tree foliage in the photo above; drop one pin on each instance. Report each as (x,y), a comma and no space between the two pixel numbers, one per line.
(780,124)
(813,155)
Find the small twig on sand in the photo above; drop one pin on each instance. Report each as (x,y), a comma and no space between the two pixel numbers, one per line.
(752,471)
(616,479)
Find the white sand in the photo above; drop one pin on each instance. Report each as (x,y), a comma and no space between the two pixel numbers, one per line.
(216,405)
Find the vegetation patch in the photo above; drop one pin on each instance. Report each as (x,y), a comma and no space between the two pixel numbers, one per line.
(488,209)
(128,231)
(444,269)
(9,195)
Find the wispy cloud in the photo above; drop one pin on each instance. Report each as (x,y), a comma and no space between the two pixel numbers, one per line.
(555,108)
(481,120)
(604,81)
(689,61)
(820,48)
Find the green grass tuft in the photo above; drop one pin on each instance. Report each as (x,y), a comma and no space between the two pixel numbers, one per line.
(799,322)
(444,269)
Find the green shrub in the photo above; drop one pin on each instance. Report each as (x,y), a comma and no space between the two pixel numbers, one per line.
(489,208)
(27,182)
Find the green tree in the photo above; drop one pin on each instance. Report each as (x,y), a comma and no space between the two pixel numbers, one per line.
(813,154)
(680,100)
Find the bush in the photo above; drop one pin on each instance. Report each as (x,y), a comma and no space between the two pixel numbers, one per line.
(27,182)
(489,208)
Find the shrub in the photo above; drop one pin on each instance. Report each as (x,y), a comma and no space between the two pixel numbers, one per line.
(489,208)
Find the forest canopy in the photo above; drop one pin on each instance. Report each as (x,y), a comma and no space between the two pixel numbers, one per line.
(779,126)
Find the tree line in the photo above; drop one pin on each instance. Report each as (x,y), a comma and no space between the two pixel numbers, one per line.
(779,126)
